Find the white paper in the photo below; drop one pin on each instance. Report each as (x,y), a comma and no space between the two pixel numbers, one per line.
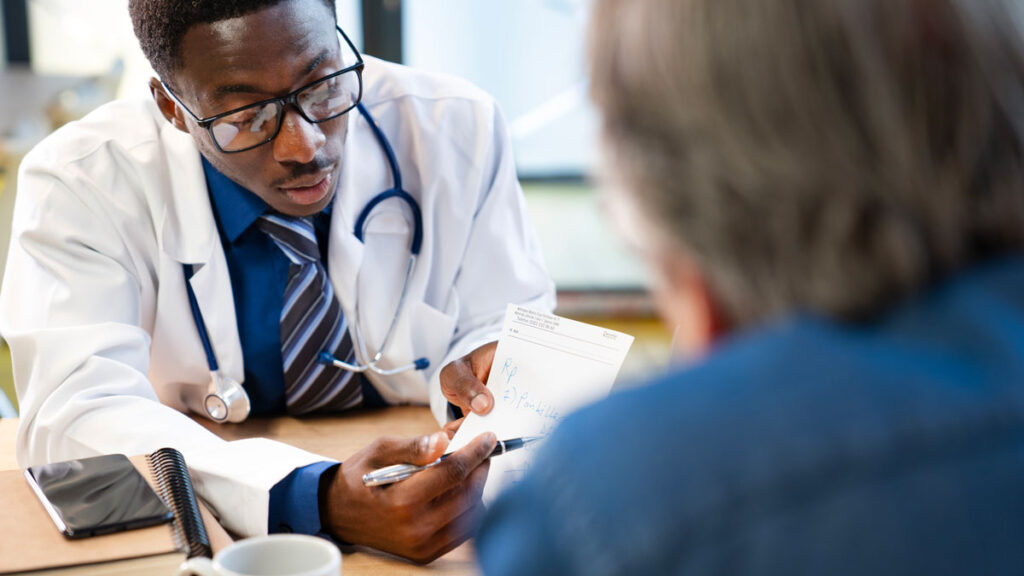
(544,367)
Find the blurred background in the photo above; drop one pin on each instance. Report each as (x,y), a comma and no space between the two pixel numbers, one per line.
(62,58)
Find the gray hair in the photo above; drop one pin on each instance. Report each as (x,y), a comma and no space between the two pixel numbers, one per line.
(831,156)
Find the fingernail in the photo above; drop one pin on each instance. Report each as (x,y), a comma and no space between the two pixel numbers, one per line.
(425,443)
(480,403)
(490,438)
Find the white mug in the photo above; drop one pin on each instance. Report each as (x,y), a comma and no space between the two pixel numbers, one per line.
(273,555)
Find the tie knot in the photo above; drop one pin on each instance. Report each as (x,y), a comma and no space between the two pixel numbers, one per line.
(294,236)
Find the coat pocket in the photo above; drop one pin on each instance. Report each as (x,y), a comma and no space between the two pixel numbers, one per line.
(431,334)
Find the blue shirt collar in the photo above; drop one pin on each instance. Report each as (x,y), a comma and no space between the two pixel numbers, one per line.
(234,207)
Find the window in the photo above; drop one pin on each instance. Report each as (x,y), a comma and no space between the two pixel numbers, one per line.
(530,55)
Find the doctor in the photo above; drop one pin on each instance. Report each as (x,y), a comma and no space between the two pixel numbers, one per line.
(289,229)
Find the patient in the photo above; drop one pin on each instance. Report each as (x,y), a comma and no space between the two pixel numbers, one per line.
(830,195)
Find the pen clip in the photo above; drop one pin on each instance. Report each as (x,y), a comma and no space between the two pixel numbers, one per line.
(389,474)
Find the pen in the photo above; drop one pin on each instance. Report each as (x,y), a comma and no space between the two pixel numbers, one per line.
(398,472)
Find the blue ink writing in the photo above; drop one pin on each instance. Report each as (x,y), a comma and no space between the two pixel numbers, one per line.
(509,370)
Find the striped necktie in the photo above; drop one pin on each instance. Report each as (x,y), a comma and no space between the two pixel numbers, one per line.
(311,322)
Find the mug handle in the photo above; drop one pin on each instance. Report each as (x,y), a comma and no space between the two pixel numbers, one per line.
(198,566)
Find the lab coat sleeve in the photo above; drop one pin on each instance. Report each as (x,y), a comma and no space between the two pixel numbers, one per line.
(502,262)
(73,314)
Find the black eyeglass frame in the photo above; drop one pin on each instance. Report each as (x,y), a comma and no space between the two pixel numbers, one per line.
(284,101)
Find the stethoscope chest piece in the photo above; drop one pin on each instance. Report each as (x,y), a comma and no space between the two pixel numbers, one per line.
(228,402)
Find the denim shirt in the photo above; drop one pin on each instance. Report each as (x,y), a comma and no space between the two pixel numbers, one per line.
(803,447)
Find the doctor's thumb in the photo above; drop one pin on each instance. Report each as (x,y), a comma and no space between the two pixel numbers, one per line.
(462,381)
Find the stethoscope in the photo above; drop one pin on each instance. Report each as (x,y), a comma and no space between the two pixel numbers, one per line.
(228,401)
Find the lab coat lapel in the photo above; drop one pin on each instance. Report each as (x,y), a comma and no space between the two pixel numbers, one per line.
(189,236)
(364,174)
(212,288)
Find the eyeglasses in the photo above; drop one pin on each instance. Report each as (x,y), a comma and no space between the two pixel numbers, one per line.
(256,124)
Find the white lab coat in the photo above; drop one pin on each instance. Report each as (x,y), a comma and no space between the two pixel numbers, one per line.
(106,354)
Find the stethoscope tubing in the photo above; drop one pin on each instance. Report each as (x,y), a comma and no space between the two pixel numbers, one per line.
(197,315)
(226,388)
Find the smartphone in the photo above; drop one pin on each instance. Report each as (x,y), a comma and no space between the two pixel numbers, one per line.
(98,495)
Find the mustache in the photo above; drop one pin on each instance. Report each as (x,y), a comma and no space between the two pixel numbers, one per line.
(298,171)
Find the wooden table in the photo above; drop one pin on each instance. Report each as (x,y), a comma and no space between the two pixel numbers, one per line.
(333,437)
(8,433)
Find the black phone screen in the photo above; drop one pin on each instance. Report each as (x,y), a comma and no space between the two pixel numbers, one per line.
(97,495)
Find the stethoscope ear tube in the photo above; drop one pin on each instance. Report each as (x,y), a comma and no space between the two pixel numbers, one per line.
(396,192)
(366,362)
(414,207)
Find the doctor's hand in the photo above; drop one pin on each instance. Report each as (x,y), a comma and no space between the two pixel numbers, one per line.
(462,382)
(420,518)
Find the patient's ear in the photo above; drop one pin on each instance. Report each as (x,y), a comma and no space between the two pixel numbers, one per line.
(680,289)
(167,105)
(686,303)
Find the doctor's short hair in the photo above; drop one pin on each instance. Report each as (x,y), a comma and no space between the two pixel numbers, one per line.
(824,156)
(160,25)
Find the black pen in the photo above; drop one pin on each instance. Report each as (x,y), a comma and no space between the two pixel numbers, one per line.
(398,472)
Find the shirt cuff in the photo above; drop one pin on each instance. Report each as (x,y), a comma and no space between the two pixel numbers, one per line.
(295,501)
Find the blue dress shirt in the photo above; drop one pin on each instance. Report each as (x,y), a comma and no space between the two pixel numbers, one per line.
(259,275)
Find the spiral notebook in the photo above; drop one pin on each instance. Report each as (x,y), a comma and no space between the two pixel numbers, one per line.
(31,542)
(174,485)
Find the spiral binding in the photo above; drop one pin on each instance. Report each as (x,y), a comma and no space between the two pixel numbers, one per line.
(175,487)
